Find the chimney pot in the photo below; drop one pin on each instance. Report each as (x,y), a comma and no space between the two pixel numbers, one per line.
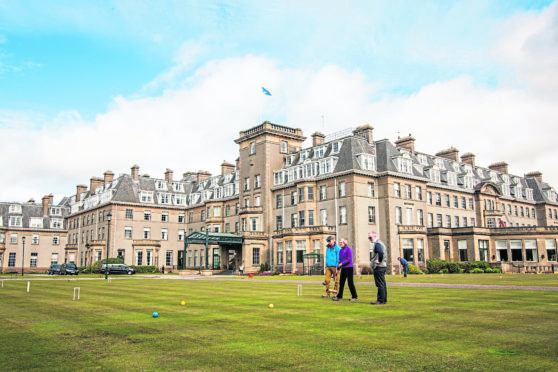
(168,176)
(109,176)
(366,132)
(500,166)
(406,143)
(452,153)
(536,174)
(135,172)
(317,139)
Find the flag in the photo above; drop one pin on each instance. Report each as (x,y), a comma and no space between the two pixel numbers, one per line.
(502,224)
(266,92)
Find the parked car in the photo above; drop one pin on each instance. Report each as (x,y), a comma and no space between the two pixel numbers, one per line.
(68,269)
(118,269)
(54,269)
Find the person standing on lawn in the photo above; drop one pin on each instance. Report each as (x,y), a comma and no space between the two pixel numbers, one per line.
(332,260)
(405,265)
(346,267)
(379,265)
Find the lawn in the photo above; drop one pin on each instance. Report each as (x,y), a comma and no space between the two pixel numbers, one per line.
(228,325)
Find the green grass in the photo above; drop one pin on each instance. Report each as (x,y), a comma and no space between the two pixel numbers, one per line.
(227,325)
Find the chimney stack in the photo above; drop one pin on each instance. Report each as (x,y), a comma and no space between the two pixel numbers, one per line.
(452,153)
(203,175)
(317,139)
(135,172)
(226,167)
(536,174)
(168,176)
(31,200)
(468,158)
(45,201)
(501,166)
(79,190)
(50,199)
(94,182)
(109,176)
(406,143)
(365,131)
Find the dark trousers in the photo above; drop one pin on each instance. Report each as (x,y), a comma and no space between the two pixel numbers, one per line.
(406,269)
(347,273)
(380,281)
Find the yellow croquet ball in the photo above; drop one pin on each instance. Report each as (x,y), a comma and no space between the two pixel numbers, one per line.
(183,303)
(271,306)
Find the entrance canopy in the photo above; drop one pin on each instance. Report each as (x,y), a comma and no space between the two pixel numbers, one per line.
(213,238)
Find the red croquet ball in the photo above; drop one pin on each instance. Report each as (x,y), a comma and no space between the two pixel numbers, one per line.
(249,275)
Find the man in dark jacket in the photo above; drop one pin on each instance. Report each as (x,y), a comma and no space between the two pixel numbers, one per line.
(379,264)
(405,265)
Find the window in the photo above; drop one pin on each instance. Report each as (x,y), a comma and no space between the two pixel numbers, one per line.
(323,216)
(165,217)
(323,192)
(257,183)
(438,199)
(371,191)
(310,191)
(255,256)
(11,259)
(310,218)
(147,215)
(408,216)
(456,221)
(278,223)
(343,215)
(483,250)
(294,220)
(146,233)
(420,250)
(300,249)
(33,261)
(14,208)
(462,247)
(283,147)
(13,238)
(471,205)
(36,222)
(420,217)
(254,223)
(128,232)
(149,258)
(181,218)
(279,253)
(342,189)
(168,258)
(35,239)
(202,215)
(516,247)
(98,255)
(408,253)
(408,193)
(289,251)
(502,249)
(371,214)
(244,224)
(490,223)
(550,249)
(531,254)
(15,221)
(446,200)
(55,239)
(54,258)
(464,221)
(430,220)
(56,223)
(418,192)
(301,219)
(164,234)
(129,214)
(438,220)
(448,221)
(429,197)
(181,233)
(398,215)
(246,184)
(455,202)
(300,194)
(252,148)
(397,189)
(279,201)
(294,198)
(2,239)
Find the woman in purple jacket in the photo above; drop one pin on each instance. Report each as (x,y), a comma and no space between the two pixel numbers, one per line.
(346,267)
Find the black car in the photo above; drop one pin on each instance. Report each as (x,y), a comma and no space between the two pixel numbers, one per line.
(118,269)
(54,269)
(68,269)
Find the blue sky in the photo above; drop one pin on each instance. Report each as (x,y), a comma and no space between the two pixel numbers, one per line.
(75,73)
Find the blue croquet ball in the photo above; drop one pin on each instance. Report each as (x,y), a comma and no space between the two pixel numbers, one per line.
(155,314)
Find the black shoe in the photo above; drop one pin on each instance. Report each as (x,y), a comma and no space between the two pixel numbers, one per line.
(354,299)
(376,303)
(336,298)
(325,296)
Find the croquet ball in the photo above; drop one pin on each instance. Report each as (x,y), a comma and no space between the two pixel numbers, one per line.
(155,314)
(250,275)
(183,303)
(271,306)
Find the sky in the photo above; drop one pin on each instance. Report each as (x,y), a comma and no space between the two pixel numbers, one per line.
(87,87)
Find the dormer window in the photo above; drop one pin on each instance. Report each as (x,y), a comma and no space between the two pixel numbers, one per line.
(439,163)
(160,185)
(422,159)
(529,194)
(56,223)
(404,165)
(506,178)
(480,173)
(367,162)
(319,152)
(452,178)
(15,221)
(288,160)
(178,187)
(36,222)
(335,147)
(455,167)
(146,196)
(303,156)
(164,198)
(505,189)
(55,211)
(283,147)
(493,176)
(14,208)
(434,175)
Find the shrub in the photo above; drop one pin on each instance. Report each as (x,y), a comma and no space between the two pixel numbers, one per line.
(488,271)
(444,271)
(453,267)
(477,271)
(414,270)
(496,271)
(145,269)
(435,266)
(366,270)
(96,267)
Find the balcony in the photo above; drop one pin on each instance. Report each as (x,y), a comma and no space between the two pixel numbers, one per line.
(71,247)
(146,243)
(305,230)
(251,210)
(411,229)
(492,213)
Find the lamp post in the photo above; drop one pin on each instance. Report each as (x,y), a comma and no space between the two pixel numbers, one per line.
(109,217)
(87,246)
(23,255)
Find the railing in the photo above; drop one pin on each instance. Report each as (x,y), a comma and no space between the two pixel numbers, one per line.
(309,230)
(411,229)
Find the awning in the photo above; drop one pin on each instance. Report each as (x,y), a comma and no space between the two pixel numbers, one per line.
(214,238)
